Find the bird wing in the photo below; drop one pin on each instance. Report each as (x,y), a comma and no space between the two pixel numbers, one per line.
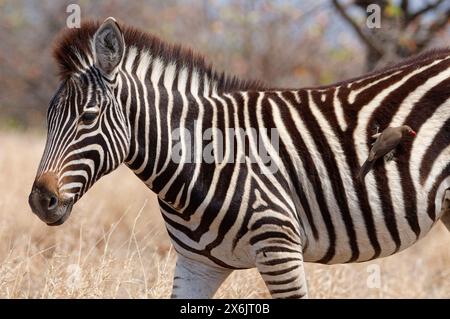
(385,143)
(372,155)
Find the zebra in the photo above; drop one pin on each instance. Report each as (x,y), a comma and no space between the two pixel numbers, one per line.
(124,92)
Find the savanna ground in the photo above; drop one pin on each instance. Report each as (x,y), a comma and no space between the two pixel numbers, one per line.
(115,246)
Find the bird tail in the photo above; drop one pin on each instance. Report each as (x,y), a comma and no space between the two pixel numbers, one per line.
(365,168)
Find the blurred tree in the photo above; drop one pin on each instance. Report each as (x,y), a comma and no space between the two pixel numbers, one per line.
(404,30)
(289,43)
(280,42)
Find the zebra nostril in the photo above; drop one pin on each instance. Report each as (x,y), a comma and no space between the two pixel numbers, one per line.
(53,202)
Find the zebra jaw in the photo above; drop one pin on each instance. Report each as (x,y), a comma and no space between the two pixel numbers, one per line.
(64,216)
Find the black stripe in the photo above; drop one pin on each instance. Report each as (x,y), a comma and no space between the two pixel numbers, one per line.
(274,262)
(279,272)
(281,282)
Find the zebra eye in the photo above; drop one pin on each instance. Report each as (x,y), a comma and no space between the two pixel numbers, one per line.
(88,117)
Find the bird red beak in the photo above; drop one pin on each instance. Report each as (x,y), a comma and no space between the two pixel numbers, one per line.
(412,133)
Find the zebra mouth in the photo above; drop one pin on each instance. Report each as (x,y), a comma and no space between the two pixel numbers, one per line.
(67,209)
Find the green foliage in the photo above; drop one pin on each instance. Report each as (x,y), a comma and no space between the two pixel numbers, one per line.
(392,10)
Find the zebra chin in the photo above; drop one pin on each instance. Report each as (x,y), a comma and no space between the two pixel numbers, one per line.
(62,214)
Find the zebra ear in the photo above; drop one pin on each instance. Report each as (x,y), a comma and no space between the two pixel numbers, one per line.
(109,46)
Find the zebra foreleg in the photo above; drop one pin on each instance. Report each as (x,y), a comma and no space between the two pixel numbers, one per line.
(282,270)
(195,280)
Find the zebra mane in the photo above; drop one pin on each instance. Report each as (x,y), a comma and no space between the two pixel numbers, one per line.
(73,52)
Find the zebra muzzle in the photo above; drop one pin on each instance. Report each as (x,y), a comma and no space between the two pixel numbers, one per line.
(46,203)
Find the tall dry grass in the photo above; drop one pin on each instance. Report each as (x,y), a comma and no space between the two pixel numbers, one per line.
(115,246)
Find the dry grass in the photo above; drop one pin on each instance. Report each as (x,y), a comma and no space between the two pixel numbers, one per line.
(115,246)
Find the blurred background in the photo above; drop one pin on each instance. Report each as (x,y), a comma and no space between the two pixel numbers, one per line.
(115,244)
(289,43)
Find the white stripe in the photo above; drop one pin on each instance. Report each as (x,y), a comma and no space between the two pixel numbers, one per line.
(339,111)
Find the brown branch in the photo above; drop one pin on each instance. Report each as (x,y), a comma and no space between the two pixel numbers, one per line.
(405,9)
(434,28)
(429,7)
(405,6)
(363,36)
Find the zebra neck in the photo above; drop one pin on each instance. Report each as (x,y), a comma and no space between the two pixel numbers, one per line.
(164,107)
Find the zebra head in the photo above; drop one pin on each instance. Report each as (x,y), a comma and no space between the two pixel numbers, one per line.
(88,133)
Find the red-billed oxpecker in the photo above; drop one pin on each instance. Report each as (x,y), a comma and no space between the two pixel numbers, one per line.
(385,143)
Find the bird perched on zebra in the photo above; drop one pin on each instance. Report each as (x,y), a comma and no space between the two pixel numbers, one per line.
(386,142)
